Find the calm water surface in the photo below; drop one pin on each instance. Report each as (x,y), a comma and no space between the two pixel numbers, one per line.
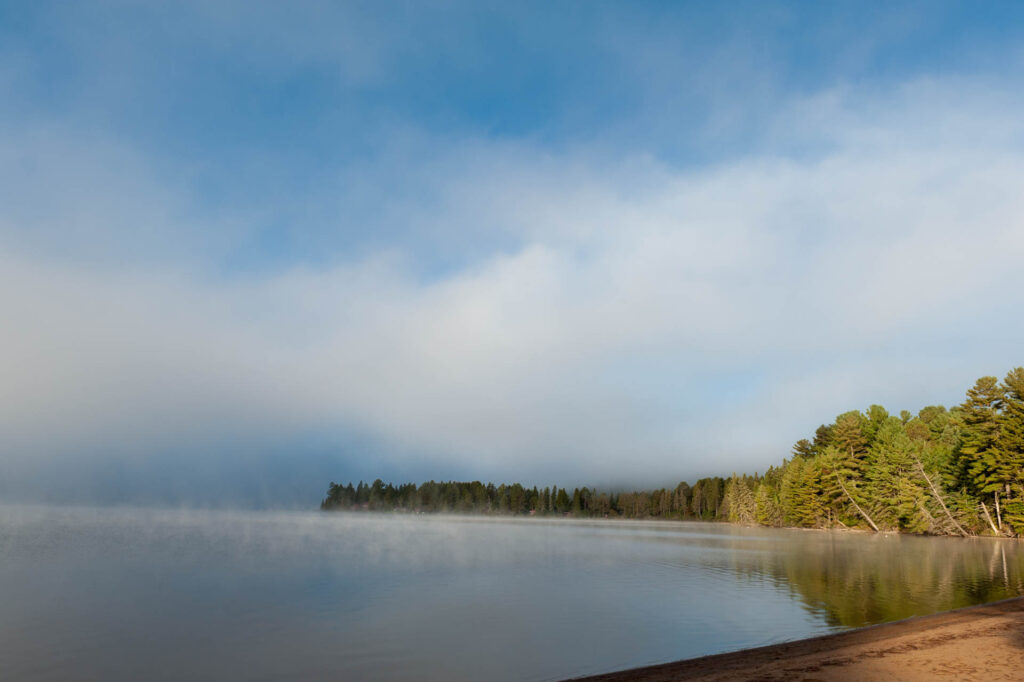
(89,594)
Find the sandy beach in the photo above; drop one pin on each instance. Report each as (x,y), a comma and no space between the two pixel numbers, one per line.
(976,643)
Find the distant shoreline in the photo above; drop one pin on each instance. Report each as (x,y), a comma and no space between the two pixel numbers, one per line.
(976,642)
(656,519)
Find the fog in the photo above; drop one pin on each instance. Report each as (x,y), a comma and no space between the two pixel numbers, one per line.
(120,593)
(192,317)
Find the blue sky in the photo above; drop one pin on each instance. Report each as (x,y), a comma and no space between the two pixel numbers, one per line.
(251,247)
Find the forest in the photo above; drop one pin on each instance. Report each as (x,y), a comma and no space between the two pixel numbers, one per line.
(957,471)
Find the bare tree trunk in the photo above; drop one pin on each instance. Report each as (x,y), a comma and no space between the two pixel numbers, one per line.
(861,511)
(938,496)
(989,517)
(999,515)
(932,523)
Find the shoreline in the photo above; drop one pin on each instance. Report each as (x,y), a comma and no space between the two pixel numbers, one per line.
(655,519)
(983,642)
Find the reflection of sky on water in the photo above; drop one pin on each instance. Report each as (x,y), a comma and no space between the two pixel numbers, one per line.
(118,594)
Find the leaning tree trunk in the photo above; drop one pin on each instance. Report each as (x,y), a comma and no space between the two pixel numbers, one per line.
(862,512)
(989,517)
(938,496)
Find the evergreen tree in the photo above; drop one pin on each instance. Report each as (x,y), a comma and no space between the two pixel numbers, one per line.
(681,499)
(739,499)
(766,498)
(766,506)
(895,490)
(801,493)
(803,448)
(979,457)
(561,501)
(849,439)
(1009,469)
(697,500)
(872,421)
(576,506)
(822,438)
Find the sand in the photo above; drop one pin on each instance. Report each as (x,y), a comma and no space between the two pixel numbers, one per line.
(976,643)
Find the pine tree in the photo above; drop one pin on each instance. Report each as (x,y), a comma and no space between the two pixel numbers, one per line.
(810,501)
(822,438)
(801,493)
(562,503)
(894,488)
(739,500)
(979,457)
(875,416)
(841,491)
(792,474)
(1010,466)
(767,509)
(697,499)
(842,463)
(849,439)
(681,499)
(803,448)
(580,501)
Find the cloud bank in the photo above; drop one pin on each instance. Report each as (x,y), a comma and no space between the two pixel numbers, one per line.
(508,309)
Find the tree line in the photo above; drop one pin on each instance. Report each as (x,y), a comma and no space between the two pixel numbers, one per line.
(702,501)
(957,471)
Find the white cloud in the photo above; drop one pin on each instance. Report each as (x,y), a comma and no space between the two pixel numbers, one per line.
(637,321)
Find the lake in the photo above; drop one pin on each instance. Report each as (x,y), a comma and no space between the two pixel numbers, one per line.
(131,594)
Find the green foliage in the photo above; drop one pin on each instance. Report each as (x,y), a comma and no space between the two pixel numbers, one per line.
(936,472)
(894,488)
(980,434)
(839,491)
(1009,469)
(873,420)
(767,510)
(804,448)
(850,441)
(801,496)
(822,438)
(740,505)
(477,498)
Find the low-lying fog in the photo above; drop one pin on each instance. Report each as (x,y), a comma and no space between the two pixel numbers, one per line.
(129,594)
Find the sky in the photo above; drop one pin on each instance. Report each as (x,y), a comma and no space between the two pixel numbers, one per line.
(248,248)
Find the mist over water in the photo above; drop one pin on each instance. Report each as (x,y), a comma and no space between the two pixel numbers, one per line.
(127,594)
